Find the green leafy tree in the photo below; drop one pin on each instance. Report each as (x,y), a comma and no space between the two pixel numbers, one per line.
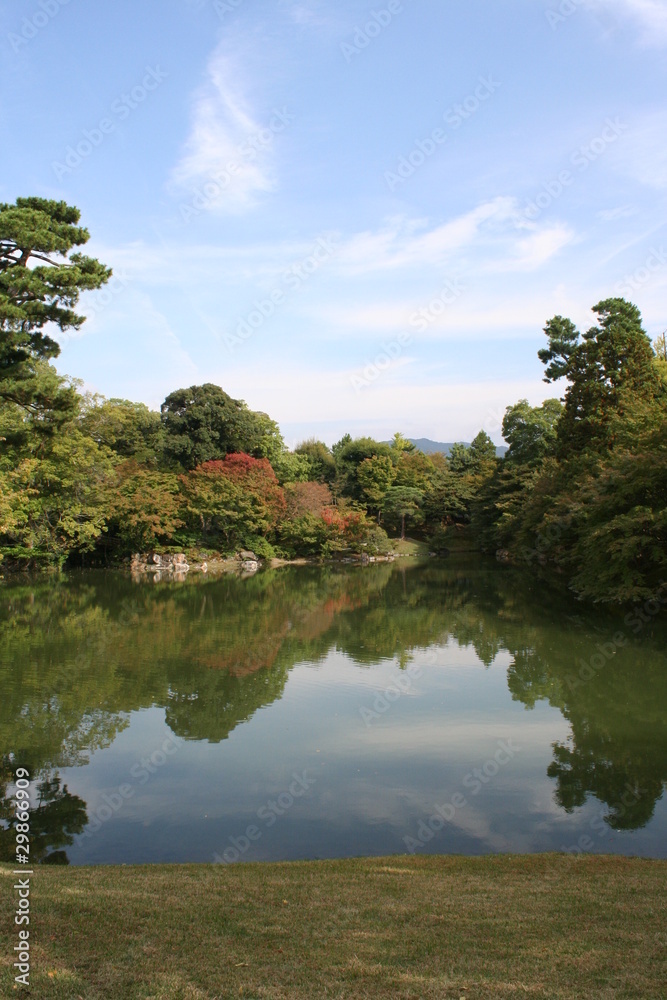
(482,450)
(144,509)
(39,403)
(455,496)
(40,284)
(401,444)
(401,502)
(448,500)
(473,458)
(459,458)
(349,456)
(619,545)
(414,469)
(375,475)
(337,448)
(305,534)
(213,506)
(58,502)
(583,488)
(291,467)
(321,463)
(531,431)
(262,439)
(129,429)
(203,424)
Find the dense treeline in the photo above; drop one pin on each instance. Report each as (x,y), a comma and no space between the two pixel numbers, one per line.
(583,486)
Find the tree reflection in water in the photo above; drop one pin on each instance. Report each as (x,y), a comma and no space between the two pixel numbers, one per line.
(79,654)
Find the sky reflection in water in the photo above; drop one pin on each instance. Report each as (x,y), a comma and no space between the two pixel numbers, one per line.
(317,712)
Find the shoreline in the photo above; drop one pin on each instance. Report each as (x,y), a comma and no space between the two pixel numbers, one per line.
(216,564)
(213,564)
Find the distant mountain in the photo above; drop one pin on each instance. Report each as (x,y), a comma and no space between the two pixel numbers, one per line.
(428,446)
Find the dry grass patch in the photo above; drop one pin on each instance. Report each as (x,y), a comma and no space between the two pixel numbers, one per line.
(538,926)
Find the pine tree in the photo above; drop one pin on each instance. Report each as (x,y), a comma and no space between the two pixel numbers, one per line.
(39,284)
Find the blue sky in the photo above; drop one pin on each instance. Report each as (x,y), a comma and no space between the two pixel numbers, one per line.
(355,217)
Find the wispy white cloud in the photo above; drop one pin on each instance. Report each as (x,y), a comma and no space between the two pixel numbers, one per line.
(651,16)
(311,13)
(533,251)
(484,240)
(480,312)
(410,402)
(227,148)
(612,214)
(409,243)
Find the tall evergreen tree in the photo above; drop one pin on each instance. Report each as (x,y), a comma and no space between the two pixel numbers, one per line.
(611,363)
(40,283)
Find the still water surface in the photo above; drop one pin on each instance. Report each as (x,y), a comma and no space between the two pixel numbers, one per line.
(454,706)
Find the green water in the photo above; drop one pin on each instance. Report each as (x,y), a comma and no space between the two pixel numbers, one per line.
(455,706)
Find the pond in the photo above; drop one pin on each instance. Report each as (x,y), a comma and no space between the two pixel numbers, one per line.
(454,706)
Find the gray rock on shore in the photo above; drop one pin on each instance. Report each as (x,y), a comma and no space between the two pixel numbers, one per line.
(154,562)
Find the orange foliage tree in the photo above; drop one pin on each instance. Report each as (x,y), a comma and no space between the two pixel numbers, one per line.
(236,498)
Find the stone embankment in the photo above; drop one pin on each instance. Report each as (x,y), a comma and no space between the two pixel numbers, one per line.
(157,566)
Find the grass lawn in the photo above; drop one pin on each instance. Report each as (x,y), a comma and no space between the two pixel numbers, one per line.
(410,547)
(546,925)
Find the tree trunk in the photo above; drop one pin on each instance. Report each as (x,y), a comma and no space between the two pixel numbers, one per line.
(402,527)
